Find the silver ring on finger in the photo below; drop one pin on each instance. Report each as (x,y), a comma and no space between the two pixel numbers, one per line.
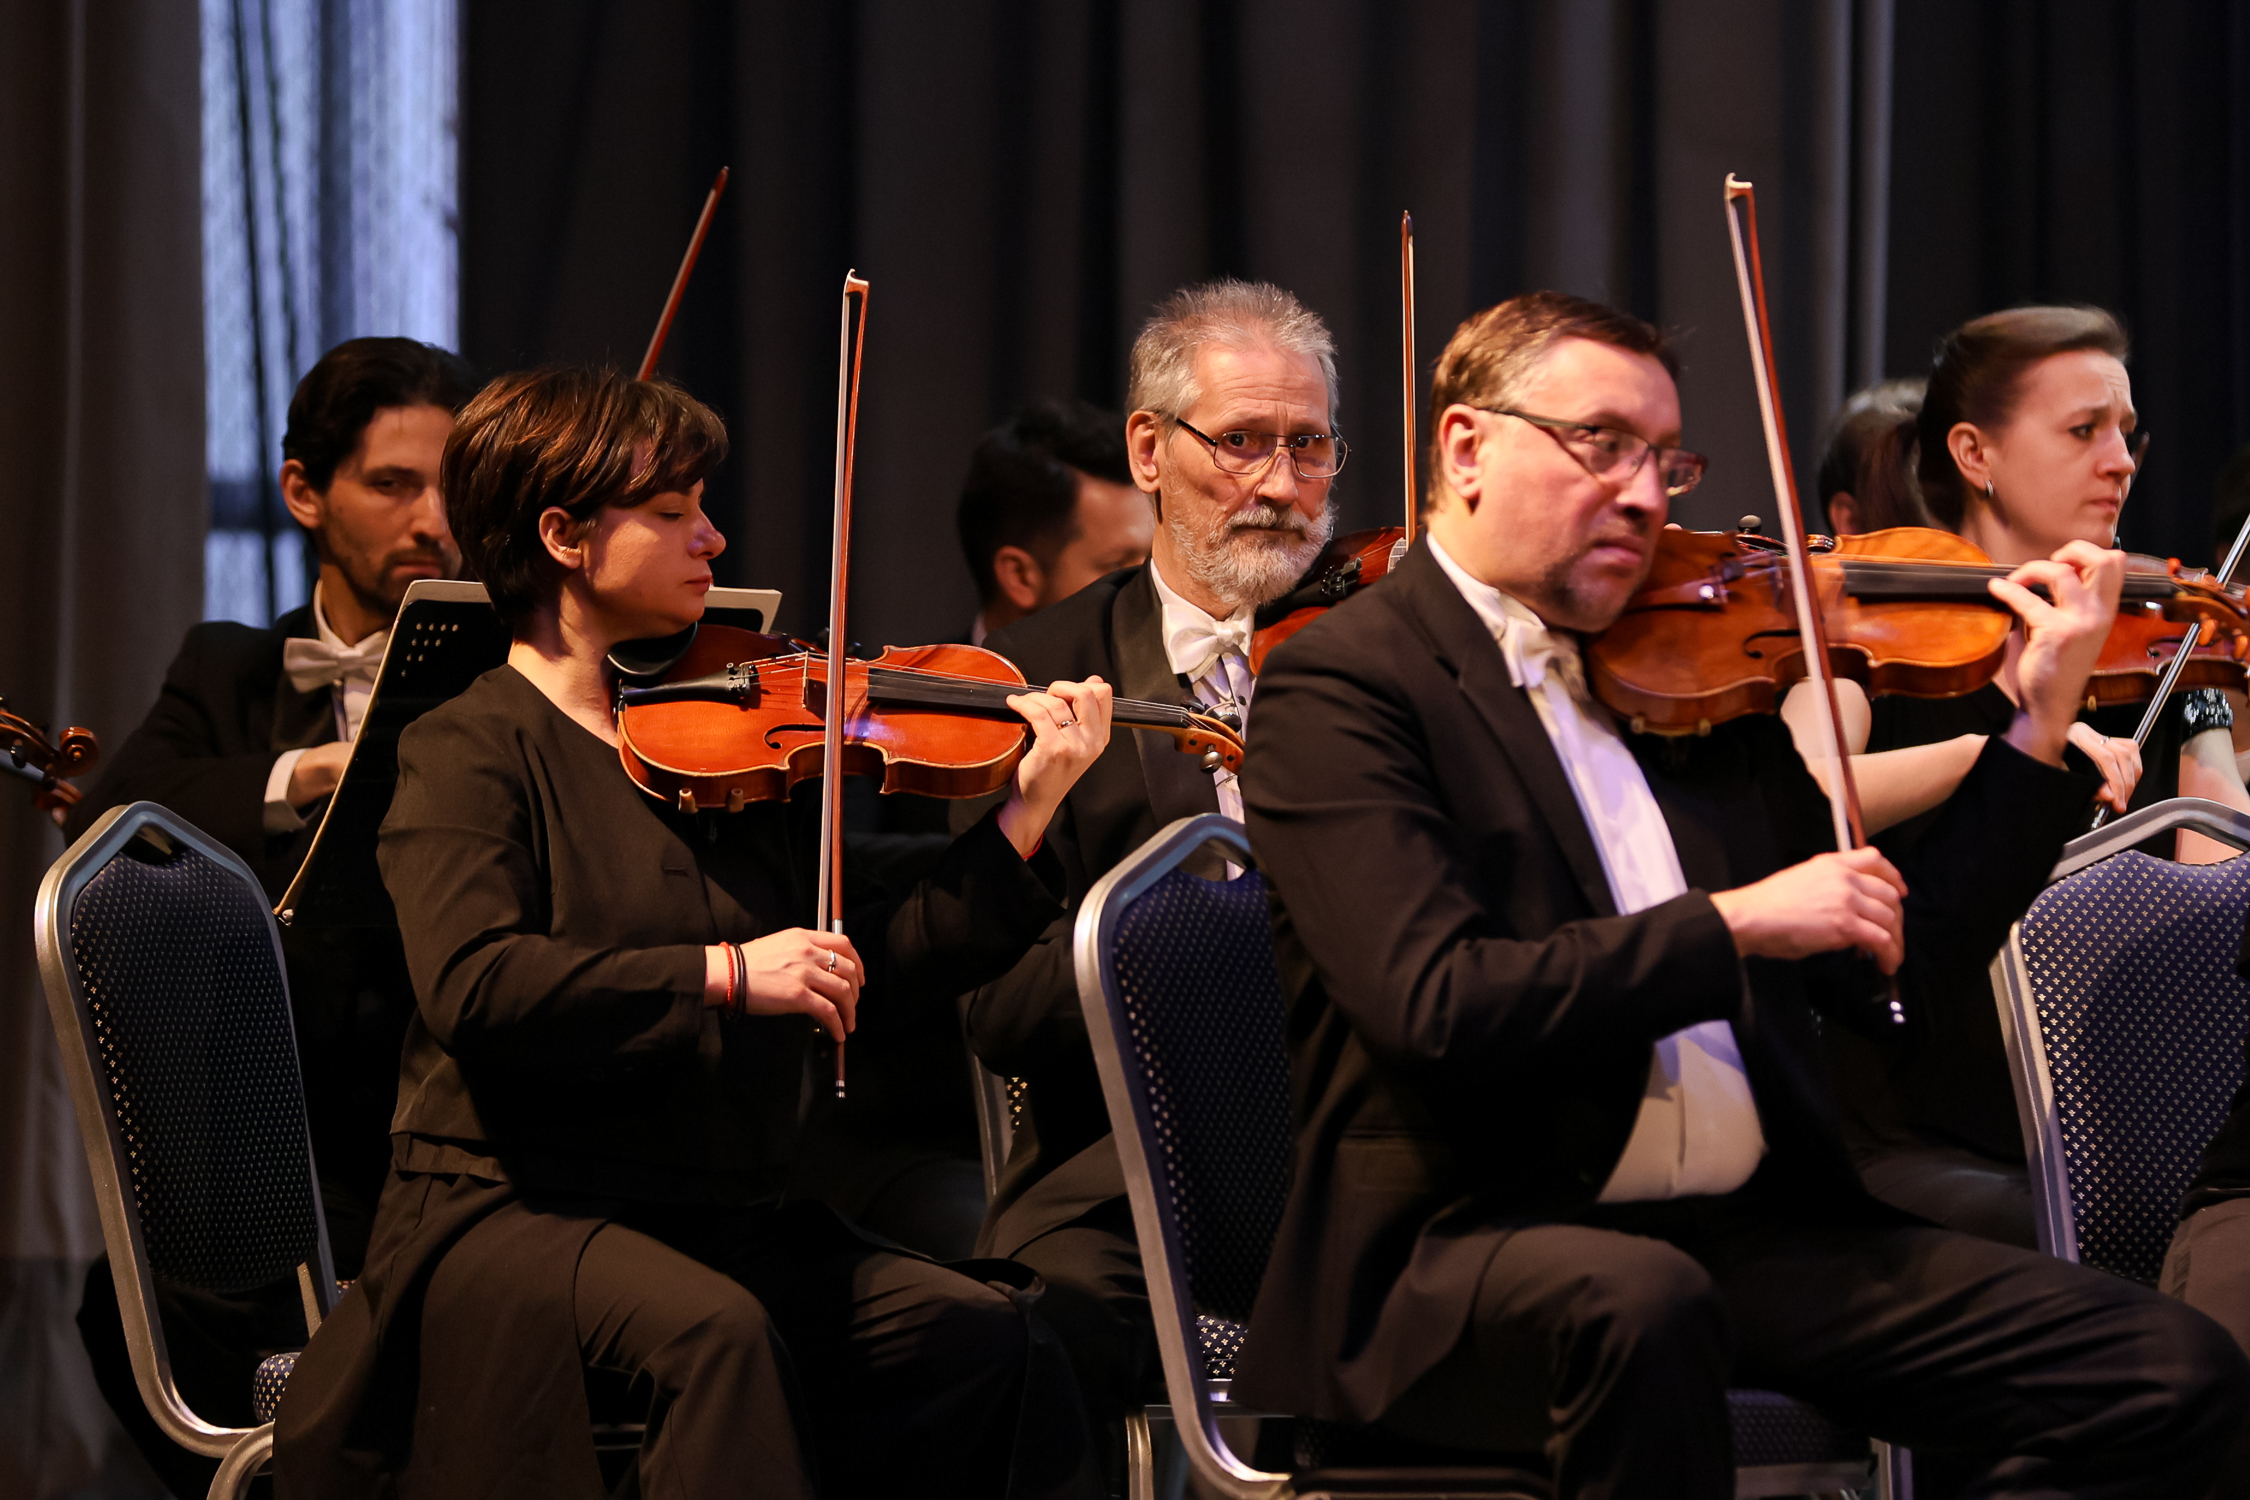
(833,955)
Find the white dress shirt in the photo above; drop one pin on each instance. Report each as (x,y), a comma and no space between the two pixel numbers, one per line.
(1214,656)
(1697,1131)
(354,670)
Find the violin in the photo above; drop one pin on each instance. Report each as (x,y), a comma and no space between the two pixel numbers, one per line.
(1711,634)
(25,752)
(741,717)
(1346,565)
(1351,562)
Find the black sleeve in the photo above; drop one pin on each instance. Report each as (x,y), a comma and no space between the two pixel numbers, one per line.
(973,916)
(184,758)
(1383,890)
(1028,1021)
(1983,861)
(459,854)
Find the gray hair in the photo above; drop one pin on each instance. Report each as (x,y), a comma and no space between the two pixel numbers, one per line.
(1233,315)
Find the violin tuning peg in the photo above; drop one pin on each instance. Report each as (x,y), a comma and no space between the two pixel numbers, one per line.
(1210,760)
(1749,523)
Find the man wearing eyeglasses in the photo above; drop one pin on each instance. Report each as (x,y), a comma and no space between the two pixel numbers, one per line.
(1233,436)
(1567,1160)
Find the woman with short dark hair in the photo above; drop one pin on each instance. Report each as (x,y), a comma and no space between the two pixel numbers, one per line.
(617,1003)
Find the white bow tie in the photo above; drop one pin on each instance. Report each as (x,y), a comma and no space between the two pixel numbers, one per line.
(313,663)
(1196,645)
(1537,651)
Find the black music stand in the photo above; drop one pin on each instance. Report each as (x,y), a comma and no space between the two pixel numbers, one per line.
(447,636)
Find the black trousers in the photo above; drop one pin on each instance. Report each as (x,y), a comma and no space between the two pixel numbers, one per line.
(1609,1346)
(2208,1268)
(1097,1302)
(785,1356)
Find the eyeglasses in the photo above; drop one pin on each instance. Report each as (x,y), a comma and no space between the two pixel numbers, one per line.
(2136,446)
(1606,451)
(1314,455)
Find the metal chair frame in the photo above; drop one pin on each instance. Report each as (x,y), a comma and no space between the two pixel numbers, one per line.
(996,1123)
(1197,1404)
(241,1450)
(2051,1197)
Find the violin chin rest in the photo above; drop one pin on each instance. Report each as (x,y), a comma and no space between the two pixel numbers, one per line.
(651,658)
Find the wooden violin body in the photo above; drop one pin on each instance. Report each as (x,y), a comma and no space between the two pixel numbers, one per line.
(1346,565)
(739,717)
(1710,636)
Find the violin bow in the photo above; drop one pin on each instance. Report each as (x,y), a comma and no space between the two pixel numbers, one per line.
(2179,661)
(680,281)
(1406,365)
(1750,279)
(828,905)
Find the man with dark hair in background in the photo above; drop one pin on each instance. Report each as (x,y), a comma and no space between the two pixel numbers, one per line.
(1048,507)
(247,739)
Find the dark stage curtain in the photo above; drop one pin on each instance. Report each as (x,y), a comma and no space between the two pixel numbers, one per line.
(1021,179)
(101,415)
(2088,151)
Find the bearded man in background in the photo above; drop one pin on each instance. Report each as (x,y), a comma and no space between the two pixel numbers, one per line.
(1233,436)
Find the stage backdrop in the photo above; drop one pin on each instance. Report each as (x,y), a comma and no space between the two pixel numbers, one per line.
(1021,179)
(101,414)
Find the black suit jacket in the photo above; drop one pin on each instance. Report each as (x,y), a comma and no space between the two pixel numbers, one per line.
(1470,1018)
(225,714)
(1028,1024)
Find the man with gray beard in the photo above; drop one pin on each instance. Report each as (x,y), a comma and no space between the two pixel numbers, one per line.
(1233,437)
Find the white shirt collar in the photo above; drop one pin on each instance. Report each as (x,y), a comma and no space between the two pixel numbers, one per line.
(1194,639)
(326,633)
(1526,642)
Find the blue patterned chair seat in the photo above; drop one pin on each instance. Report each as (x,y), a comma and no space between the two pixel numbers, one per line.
(271,1380)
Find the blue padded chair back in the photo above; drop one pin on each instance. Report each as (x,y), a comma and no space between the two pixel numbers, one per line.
(1200,999)
(2128,968)
(175,973)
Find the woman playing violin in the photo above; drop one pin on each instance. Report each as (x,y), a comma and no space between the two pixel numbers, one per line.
(2028,440)
(617,1003)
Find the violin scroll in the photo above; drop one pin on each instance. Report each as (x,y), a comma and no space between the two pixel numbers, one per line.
(26,752)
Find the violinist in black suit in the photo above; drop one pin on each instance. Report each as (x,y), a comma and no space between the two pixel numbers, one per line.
(246,740)
(1567,1162)
(1232,435)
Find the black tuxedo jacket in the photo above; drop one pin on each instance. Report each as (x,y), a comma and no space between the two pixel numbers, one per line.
(225,715)
(1028,1024)
(1470,1018)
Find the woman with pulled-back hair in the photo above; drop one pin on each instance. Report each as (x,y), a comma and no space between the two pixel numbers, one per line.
(2026,440)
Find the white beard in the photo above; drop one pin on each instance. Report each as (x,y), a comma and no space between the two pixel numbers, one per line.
(1253,556)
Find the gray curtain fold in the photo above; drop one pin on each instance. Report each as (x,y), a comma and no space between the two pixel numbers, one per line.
(101,412)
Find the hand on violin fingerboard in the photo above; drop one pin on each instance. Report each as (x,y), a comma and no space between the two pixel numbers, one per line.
(2063,636)
(1070,729)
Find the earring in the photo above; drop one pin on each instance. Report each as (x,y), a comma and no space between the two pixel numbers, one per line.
(1988,494)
